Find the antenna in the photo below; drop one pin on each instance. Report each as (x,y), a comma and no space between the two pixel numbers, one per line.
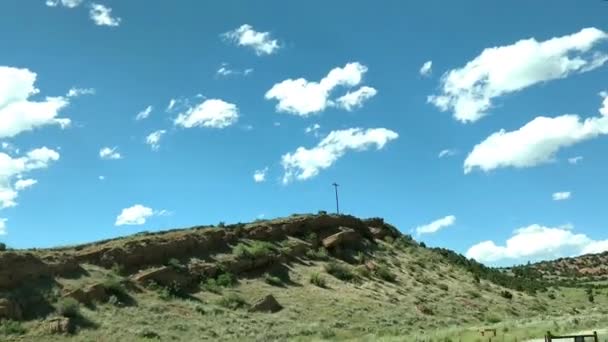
(336,185)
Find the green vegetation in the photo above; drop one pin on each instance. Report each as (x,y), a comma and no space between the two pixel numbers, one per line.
(340,271)
(256,249)
(9,327)
(384,273)
(318,280)
(232,301)
(272,280)
(320,254)
(68,307)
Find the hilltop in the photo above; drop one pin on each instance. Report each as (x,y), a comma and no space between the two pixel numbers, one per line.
(302,277)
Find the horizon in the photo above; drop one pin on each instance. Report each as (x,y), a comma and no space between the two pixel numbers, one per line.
(480,136)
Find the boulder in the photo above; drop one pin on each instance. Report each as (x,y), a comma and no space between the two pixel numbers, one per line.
(60,325)
(10,310)
(164,276)
(347,236)
(266,304)
(202,269)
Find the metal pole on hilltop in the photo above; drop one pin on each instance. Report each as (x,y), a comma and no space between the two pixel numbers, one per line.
(336,185)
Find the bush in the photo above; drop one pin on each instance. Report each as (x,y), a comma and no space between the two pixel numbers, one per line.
(322,212)
(114,287)
(363,271)
(272,280)
(318,280)
(226,280)
(443,287)
(256,249)
(319,254)
(2,247)
(491,318)
(175,264)
(506,294)
(385,274)
(551,296)
(232,301)
(11,328)
(389,239)
(340,271)
(68,307)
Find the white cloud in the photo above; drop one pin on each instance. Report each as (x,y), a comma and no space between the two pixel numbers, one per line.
(259,176)
(144,113)
(537,242)
(436,225)
(3,226)
(153,139)
(469,91)
(64,3)
(314,129)
(303,98)
(102,15)
(575,160)
(109,153)
(137,215)
(535,143)
(24,184)
(306,163)
(261,42)
(19,113)
(427,68)
(355,99)
(101,178)
(171,105)
(212,113)
(225,70)
(75,92)
(446,153)
(13,169)
(561,196)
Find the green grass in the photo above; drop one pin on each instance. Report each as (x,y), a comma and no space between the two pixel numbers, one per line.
(340,271)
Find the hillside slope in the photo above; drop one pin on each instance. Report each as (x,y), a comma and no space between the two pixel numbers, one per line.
(328,277)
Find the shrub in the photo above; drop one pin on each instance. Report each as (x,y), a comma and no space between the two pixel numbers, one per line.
(340,271)
(12,328)
(318,280)
(175,264)
(148,334)
(226,280)
(363,271)
(232,301)
(389,239)
(169,292)
(491,318)
(211,286)
(68,307)
(506,294)
(272,280)
(319,254)
(2,247)
(222,224)
(551,296)
(114,287)
(385,274)
(118,269)
(443,287)
(423,245)
(322,212)
(256,249)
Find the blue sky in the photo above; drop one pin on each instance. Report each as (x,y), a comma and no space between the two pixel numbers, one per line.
(248,81)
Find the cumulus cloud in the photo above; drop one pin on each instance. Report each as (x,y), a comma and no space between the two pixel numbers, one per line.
(259,176)
(137,215)
(561,196)
(436,225)
(64,3)
(144,114)
(109,153)
(261,42)
(213,113)
(446,153)
(21,114)
(153,139)
(575,160)
(306,163)
(24,183)
(102,15)
(355,99)
(302,97)
(427,68)
(537,242)
(535,143)
(469,91)
(13,169)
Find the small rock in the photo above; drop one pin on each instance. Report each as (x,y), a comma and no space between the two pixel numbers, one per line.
(61,325)
(267,304)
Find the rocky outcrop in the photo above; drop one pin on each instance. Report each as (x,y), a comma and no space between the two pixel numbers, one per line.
(164,276)
(18,267)
(202,269)
(90,294)
(266,304)
(346,238)
(10,309)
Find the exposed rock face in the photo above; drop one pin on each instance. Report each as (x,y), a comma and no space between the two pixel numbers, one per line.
(17,267)
(92,293)
(60,325)
(266,304)
(347,237)
(10,310)
(165,276)
(202,269)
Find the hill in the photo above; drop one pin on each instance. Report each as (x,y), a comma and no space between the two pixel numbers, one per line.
(304,277)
